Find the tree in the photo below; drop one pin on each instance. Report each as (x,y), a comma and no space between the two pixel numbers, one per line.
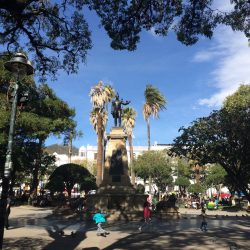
(44,115)
(41,115)
(155,164)
(215,176)
(154,102)
(69,135)
(183,183)
(128,121)
(100,95)
(67,175)
(35,121)
(88,164)
(196,188)
(57,34)
(182,167)
(49,30)
(218,139)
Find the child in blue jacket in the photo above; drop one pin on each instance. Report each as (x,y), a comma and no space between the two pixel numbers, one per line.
(99,218)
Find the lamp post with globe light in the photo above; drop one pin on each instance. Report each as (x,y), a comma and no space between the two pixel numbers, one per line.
(20,66)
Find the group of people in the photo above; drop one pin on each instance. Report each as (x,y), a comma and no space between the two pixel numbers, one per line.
(212,203)
(100,218)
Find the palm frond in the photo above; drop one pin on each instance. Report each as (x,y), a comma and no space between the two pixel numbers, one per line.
(128,120)
(154,102)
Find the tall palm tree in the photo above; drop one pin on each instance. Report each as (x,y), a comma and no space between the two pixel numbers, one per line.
(155,101)
(128,121)
(100,96)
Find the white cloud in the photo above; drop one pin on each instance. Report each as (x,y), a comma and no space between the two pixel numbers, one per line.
(223,5)
(204,56)
(231,55)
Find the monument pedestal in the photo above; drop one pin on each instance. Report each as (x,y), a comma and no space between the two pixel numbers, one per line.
(116,195)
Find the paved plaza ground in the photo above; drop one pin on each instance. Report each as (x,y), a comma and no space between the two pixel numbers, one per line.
(36,228)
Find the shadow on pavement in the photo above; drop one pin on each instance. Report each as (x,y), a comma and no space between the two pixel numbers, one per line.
(66,242)
(24,243)
(217,238)
(90,248)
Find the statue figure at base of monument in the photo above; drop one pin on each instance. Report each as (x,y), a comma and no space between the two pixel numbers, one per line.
(116,110)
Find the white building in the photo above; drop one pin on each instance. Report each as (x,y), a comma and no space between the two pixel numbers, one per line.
(90,152)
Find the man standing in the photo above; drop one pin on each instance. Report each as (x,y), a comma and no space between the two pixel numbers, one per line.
(116,110)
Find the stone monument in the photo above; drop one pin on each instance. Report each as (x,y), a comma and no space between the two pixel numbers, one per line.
(116,195)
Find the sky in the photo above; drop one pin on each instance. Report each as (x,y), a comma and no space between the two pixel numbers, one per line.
(194,79)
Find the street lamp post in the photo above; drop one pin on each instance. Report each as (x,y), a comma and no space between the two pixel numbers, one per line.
(19,66)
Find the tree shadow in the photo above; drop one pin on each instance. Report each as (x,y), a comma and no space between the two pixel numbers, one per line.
(57,239)
(67,240)
(59,242)
(24,243)
(218,237)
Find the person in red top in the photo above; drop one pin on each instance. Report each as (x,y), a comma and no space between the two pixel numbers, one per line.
(146,214)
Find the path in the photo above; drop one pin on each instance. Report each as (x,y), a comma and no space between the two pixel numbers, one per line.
(35,228)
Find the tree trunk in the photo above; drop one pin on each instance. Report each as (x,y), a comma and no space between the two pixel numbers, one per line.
(148,130)
(131,159)
(197,173)
(99,151)
(35,172)
(149,146)
(70,146)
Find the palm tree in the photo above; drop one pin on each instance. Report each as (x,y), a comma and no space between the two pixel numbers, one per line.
(100,95)
(154,102)
(128,121)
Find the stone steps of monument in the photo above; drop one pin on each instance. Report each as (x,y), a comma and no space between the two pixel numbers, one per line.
(114,215)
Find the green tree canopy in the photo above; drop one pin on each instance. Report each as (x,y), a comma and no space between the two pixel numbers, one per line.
(58,36)
(215,175)
(223,137)
(44,114)
(155,164)
(67,175)
(182,181)
(182,167)
(196,188)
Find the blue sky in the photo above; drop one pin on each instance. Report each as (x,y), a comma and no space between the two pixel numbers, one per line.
(195,79)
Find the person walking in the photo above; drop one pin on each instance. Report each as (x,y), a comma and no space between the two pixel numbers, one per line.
(99,219)
(203,226)
(146,215)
